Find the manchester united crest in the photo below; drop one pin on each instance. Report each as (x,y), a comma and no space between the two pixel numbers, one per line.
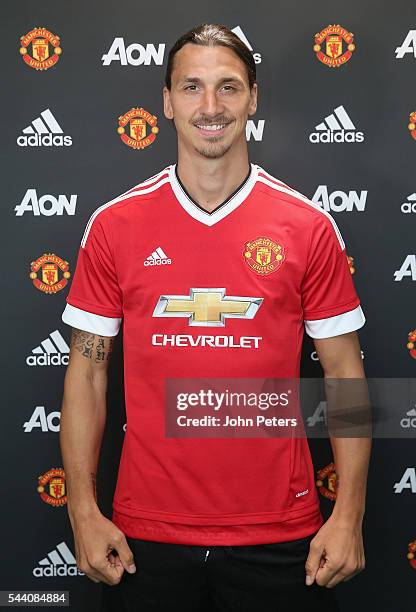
(137,128)
(40,48)
(412,124)
(411,343)
(51,487)
(263,255)
(412,554)
(350,261)
(49,273)
(334,46)
(327,481)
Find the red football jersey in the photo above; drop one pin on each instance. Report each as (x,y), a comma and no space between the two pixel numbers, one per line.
(176,276)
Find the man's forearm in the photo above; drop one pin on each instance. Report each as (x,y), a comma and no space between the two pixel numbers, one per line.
(349,426)
(351,457)
(83,418)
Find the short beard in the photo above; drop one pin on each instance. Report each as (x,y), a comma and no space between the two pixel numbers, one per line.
(213,152)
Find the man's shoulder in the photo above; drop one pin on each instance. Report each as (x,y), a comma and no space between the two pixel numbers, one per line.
(297,202)
(148,188)
(145,188)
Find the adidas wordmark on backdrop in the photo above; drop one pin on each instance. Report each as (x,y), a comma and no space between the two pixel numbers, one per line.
(244,282)
(52,351)
(44,131)
(337,127)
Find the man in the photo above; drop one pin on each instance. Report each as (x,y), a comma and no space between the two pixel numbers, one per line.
(215,267)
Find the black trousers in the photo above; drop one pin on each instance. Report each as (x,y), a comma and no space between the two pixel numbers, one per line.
(189,578)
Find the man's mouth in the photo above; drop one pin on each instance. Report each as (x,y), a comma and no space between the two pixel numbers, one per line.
(212,129)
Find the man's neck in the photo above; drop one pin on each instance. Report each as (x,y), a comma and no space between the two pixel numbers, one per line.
(210,182)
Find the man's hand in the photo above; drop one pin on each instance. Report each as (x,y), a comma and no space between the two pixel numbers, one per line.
(95,538)
(336,553)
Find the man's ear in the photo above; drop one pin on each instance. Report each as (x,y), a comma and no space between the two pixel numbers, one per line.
(253,100)
(167,106)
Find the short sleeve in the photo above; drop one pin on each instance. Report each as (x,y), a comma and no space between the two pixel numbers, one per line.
(94,301)
(330,303)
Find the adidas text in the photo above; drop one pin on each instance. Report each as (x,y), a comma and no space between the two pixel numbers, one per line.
(338,136)
(47,360)
(45,140)
(157,262)
(44,131)
(57,570)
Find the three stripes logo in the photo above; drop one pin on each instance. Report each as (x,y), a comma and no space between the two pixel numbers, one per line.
(410,205)
(53,351)
(239,32)
(58,562)
(44,131)
(157,258)
(336,127)
(409,420)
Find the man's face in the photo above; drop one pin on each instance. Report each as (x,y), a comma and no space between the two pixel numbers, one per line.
(210,99)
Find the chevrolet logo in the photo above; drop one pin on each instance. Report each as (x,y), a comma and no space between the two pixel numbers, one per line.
(207,307)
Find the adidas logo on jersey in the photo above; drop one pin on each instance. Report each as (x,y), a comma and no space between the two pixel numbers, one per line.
(336,127)
(51,351)
(44,131)
(157,258)
(59,562)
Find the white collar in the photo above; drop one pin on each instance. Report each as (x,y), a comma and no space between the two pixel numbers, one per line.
(222,211)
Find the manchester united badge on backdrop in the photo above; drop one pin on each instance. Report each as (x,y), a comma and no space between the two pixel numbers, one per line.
(334,46)
(327,481)
(350,261)
(40,48)
(412,124)
(411,343)
(53,271)
(137,128)
(263,255)
(411,553)
(51,487)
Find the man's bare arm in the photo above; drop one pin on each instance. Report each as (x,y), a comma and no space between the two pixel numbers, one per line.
(340,358)
(83,417)
(337,551)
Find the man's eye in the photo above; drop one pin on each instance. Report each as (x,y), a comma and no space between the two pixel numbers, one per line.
(229,87)
(193,87)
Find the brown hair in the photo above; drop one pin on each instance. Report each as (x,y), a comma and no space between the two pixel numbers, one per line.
(211,35)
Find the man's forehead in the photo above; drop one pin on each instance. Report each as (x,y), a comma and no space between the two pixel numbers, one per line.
(197,61)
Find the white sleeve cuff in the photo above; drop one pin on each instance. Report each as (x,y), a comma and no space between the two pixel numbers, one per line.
(337,325)
(90,322)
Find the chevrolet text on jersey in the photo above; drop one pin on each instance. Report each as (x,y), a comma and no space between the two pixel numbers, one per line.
(240,293)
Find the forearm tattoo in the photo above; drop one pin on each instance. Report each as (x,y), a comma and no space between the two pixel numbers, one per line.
(96,348)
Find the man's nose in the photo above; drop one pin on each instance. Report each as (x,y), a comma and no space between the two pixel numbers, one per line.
(211,104)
